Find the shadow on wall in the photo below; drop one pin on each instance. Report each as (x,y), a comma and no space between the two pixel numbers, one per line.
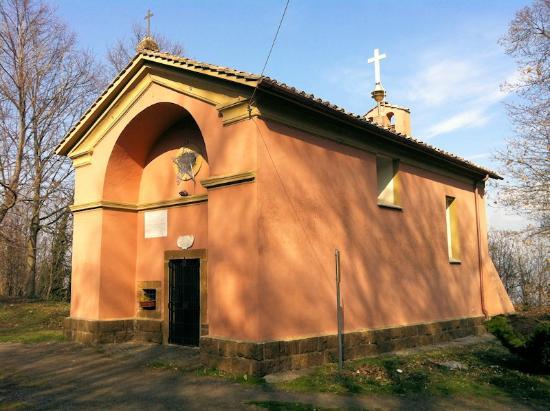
(137,173)
(134,146)
(317,195)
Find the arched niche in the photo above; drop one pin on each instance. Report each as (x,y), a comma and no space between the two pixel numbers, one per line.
(141,167)
(391,118)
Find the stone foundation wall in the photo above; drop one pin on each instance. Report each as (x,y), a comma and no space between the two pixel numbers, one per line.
(260,358)
(113,331)
(252,358)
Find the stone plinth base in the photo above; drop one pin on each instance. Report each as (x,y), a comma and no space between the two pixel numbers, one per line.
(253,358)
(113,331)
(260,358)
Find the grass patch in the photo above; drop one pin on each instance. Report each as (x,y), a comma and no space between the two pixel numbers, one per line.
(207,372)
(170,365)
(286,406)
(489,371)
(238,378)
(162,365)
(32,321)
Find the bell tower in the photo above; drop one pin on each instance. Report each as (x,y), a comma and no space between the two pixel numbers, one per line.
(387,115)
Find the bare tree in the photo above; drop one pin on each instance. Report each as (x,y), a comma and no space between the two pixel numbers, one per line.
(45,84)
(12,255)
(120,54)
(502,248)
(15,54)
(522,262)
(526,158)
(56,271)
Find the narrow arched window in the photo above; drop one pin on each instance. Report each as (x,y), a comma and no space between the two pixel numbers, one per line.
(453,240)
(388,180)
(391,119)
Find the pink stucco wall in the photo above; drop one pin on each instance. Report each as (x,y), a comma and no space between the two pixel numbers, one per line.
(271,242)
(133,164)
(315,196)
(86,264)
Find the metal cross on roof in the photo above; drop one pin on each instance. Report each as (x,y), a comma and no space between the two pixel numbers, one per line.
(376,60)
(148,18)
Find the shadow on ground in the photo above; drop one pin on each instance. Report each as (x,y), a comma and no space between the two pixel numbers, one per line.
(131,376)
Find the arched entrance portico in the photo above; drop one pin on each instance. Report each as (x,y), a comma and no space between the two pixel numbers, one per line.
(141,170)
(131,207)
(169,202)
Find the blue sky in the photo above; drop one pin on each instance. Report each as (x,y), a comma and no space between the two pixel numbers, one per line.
(444,62)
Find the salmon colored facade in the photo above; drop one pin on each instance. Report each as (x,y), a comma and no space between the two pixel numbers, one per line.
(282,184)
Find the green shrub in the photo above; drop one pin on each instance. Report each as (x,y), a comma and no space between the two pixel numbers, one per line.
(501,328)
(534,347)
(537,347)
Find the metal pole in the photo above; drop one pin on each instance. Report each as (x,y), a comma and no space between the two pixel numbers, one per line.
(339,311)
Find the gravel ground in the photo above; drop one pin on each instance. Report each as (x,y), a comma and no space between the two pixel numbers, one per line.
(65,375)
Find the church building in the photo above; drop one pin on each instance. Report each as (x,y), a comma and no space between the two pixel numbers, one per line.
(209,204)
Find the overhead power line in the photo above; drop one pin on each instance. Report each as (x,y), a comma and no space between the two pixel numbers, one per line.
(269,54)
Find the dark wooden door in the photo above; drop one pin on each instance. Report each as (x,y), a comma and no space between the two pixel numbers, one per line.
(184,302)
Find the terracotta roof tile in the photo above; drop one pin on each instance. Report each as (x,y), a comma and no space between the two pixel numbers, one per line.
(415,141)
(255,80)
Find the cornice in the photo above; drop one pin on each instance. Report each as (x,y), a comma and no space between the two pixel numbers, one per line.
(120,206)
(229,179)
(236,111)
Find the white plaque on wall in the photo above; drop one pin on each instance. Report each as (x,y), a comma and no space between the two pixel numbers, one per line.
(185,241)
(156,224)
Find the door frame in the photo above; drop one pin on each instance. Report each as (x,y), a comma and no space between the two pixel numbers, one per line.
(201,254)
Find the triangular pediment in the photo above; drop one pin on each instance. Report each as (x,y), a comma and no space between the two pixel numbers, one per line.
(222,88)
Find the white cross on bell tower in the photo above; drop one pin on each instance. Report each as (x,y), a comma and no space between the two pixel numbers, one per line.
(385,114)
(376,60)
(378,93)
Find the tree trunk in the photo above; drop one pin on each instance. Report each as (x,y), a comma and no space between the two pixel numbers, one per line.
(9,201)
(31,256)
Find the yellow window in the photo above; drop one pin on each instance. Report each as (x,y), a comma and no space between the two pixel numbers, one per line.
(453,241)
(388,181)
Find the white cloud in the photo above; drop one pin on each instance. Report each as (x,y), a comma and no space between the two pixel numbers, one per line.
(466,119)
(502,219)
(441,81)
(473,85)
(457,80)
(446,93)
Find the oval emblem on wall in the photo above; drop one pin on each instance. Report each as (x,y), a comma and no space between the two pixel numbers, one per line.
(185,241)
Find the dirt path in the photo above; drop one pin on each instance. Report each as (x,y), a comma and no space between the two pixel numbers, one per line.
(71,376)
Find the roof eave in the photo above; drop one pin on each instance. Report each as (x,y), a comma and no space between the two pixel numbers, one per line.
(125,75)
(105,98)
(270,86)
(266,84)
